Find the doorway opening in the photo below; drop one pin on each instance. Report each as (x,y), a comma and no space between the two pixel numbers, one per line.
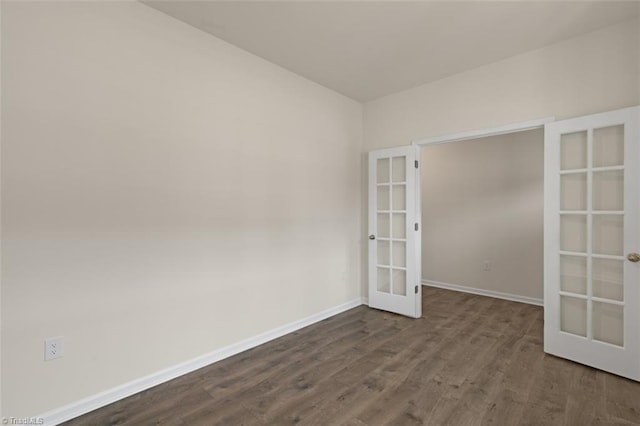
(482,205)
(474,185)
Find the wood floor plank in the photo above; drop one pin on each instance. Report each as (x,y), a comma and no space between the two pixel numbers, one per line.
(622,399)
(548,397)
(301,386)
(292,382)
(269,365)
(585,401)
(470,360)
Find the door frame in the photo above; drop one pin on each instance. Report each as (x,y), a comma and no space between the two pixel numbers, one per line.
(486,132)
(418,144)
(517,127)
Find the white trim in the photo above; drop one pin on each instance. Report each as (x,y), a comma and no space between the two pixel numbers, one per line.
(482,292)
(83,406)
(483,133)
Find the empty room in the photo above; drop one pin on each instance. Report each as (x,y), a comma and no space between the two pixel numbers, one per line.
(320,213)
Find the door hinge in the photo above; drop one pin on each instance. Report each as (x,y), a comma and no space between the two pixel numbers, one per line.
(416,289)
(416,226)
(416,163)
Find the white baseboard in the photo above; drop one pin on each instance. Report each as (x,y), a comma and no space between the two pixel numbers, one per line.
(481,292)
(78,408)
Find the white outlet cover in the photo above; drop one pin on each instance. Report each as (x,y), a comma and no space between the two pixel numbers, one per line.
(53,348)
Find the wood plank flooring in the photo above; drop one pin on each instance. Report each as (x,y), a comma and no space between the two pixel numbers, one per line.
(471,360)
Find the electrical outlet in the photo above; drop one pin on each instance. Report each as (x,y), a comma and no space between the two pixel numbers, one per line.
(53,348)
(486,265)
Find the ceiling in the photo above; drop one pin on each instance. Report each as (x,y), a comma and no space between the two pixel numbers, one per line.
(366,49)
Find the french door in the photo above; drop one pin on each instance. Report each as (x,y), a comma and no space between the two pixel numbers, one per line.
(394,238)
(592,237)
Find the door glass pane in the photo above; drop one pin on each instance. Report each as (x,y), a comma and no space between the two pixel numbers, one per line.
(608,190)
(384,280)
(573,191)
(399,282)
(608,277)
(383,197)
(399,201)
(608,323)
(608,146)
(399,166)
(573,274)
(573,233)
(573,151)
(383,170)
(399,253)
(384,255)
(573,315)
(383,225)
(399,225)
(608,234)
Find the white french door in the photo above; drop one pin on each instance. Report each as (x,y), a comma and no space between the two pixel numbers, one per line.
(394,243)
(592,237)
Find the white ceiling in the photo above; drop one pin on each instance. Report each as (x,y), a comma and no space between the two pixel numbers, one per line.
(366,50)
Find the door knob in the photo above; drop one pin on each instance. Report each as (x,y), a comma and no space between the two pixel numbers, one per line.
(633,257)
(373,237)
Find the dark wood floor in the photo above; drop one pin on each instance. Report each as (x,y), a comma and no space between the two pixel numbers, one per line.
(471,360)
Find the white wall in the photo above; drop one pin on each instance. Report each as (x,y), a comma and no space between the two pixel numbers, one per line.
(482,200)
(598,71)
(164,194)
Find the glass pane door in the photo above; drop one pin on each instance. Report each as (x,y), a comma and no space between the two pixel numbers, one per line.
(393,269)
(592,235)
